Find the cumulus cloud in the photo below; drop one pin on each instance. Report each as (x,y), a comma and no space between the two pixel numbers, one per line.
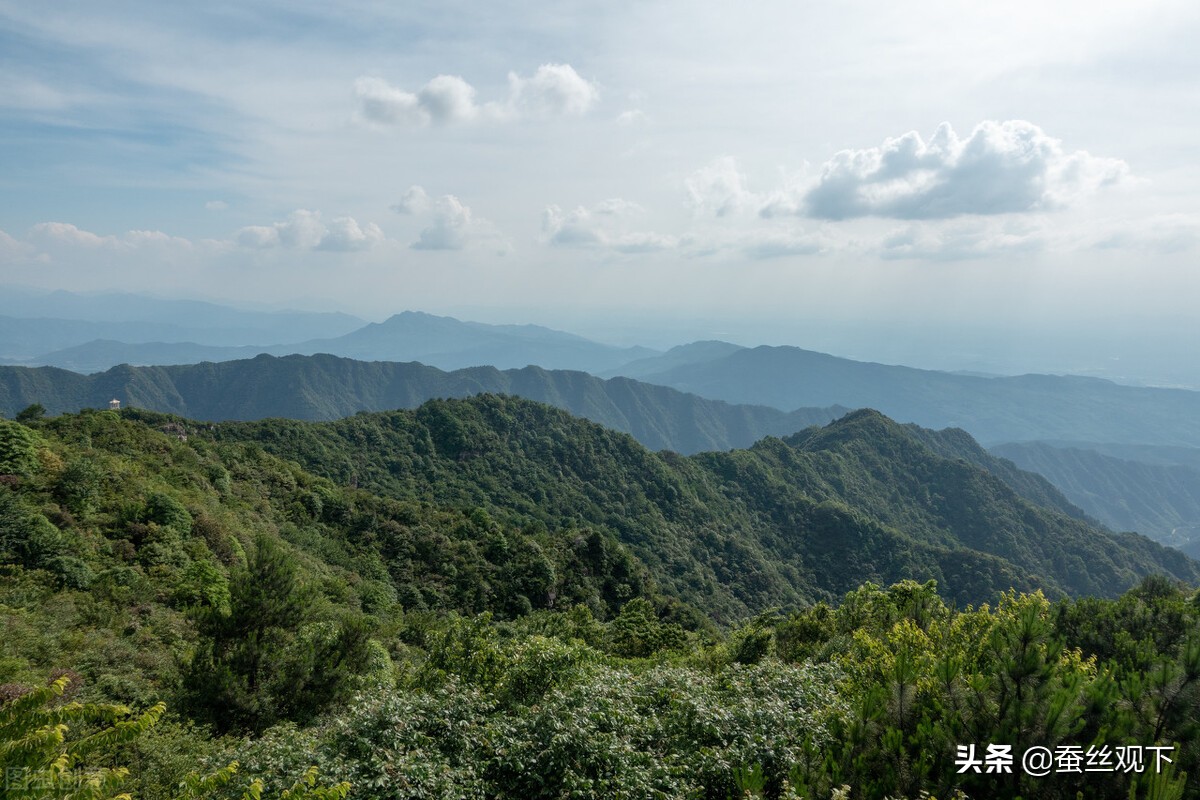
(49,240)
(257,236)
(553,90)
(304,230)
(11,248)
(449,224)
(570,229)
(346,235)
(1002,167)
(602,226)
(414,201)
(66,233)
(155,239)
(718,189)
(450,228)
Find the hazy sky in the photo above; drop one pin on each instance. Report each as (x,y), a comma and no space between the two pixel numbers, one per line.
(594,166)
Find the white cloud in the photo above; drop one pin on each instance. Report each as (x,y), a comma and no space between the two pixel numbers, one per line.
(379,101)
(603,226)
(66,233)
(414,201)
(570,229)
(155,239)
(216,205)
(12,249)
(1002,167)
(718,189)
(449,224)
(257,236)
(447,99)
(346,235)
(554,90)
(450,228)
(304,230)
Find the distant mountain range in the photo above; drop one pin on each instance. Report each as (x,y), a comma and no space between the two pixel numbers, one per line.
(706,395)
(33,322)
(325,387)
(992,409)
(204,332)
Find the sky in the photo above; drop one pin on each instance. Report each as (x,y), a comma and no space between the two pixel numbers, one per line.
(962,185)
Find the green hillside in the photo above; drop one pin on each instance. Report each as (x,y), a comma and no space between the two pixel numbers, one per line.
(490,598)
(1161,501)
(784,522)
(325,387)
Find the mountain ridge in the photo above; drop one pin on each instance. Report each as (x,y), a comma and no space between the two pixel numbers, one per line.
(993,410)
(328,387)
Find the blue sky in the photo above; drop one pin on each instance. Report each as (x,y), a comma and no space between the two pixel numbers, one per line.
(628,170)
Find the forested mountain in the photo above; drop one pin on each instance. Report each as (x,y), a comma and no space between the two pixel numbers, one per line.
(783,522)
(1161,501)
(955,443)
(326,611)
(325,387)
(993,410)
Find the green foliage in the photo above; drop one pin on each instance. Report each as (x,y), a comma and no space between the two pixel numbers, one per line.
(924,679)
(43,755)
(592,732)
(638,633)
(31,413)
(18,449)
(262,656)
(197,787)
(782,524)
(165,510)
(79,486)
(534,616)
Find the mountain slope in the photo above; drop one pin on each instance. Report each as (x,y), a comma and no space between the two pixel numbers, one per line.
(993,410)
(327,387)
(693,353)
(1161,501)
(955,443)
(784,522)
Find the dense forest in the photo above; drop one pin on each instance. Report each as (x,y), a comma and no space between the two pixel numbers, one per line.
(491,598)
